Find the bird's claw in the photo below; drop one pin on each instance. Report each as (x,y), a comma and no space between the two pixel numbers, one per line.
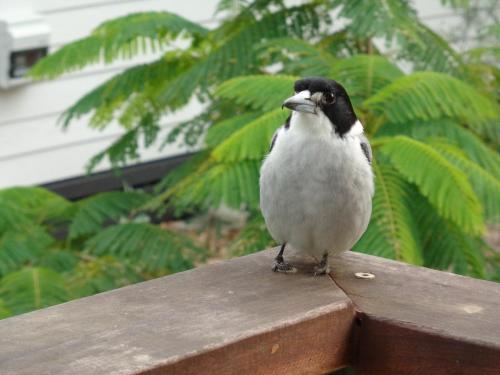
(283,267)
(321,269)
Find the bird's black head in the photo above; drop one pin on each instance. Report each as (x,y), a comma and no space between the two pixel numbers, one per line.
(316,93)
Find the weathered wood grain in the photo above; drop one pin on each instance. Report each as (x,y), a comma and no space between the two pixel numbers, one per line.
(415,320)
(226,318)
(238,317)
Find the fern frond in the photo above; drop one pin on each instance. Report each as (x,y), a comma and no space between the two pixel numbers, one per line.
(20,248)
(187,168)
(231,6)
(57,259)
(427,50)
(4,311)
(475,149)
(153,247)
(397,21)
(126,148)
(212,177)
(486,186)
(253,237)
(236,56)
(298,56)
(36,203)
(106,99)
(445,245)
(222,130)
(11,218)
(123,37)
(32,288)
(369,19)
(94,211)
(430,96)
(99,275)
(252,141)
(234,184)
(363,75)
(391,232)
(446,187)
(196,73)
(260,92)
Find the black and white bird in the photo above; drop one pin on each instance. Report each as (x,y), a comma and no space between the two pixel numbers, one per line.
(316,183)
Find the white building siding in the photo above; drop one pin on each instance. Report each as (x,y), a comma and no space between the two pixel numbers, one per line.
(33,149)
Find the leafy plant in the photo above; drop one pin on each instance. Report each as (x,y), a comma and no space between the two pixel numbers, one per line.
(53,250)
(433,125)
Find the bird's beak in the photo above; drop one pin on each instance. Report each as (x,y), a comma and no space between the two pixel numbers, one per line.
(301,102)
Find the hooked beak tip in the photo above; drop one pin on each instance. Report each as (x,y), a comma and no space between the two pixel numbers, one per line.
(300,106)
(300,102)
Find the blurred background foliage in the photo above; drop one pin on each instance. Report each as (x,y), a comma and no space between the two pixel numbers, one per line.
(430,112)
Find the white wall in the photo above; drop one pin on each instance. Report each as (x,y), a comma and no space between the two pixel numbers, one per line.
(33,149)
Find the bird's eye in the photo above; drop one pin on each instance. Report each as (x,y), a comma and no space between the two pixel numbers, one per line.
(328,98)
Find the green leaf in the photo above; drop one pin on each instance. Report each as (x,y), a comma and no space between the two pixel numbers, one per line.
(446,187)
(396,21)
(20,248)
(4,311)
(123,37)
(475,149)
(94,211)
(378,19)
(32,288)
(236,56)
(252,141)
(428,95)
(11,218)
(252,238)
(184,170)
(57,259)
(99,275)
(486,186)
(391,232)
(133,83)
(299,56)
(222,130)
(234,184)
(260,92)
(37,204)
(446,246)
(363,75)
(155,248)
(126,148)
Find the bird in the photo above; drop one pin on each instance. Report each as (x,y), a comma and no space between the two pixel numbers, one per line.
(316,182)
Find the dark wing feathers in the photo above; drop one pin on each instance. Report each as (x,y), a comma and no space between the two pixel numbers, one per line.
(365,146)
(275,136)
(273,141)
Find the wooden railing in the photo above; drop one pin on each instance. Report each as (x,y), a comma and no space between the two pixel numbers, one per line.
(238,317)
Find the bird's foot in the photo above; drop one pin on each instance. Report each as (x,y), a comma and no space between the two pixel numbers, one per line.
(322,268)
(280,265)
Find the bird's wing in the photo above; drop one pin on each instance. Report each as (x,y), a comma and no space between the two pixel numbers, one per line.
(366,148)
(275,135)
(273,140)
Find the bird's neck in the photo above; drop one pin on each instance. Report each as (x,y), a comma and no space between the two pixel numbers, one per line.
(310,125)
(320,126)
